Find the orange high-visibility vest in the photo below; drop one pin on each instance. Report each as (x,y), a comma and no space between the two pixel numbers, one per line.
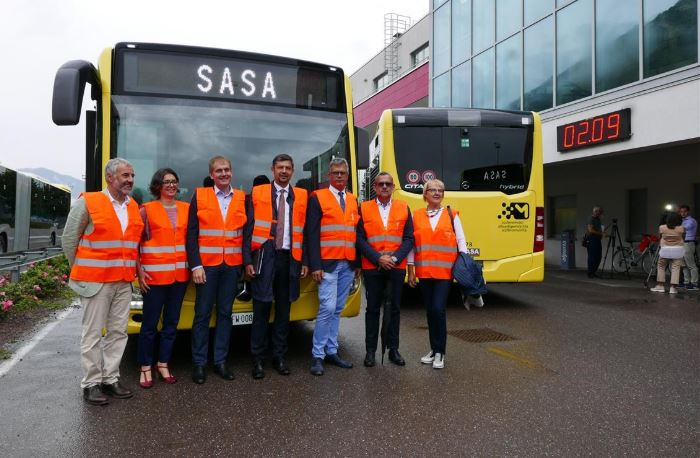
(337,229)
(262,210)
(436,251)
(107,254)
(220,242)
(382,238)
(164,257)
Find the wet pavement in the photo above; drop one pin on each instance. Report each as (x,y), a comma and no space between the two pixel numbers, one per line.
(594,367)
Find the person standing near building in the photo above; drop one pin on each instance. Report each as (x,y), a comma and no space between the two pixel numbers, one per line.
(163,274)
(215,254)
(690,271)
(595,241)
(100,241)
(331,222)
(273,256)
(670,252)
(384,237)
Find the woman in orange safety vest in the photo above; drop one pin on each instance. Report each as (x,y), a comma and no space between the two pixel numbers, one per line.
(437,242)
(163,273)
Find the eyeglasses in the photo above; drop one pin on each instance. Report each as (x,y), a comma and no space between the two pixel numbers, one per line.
(338,173)
(169,182)
(384,184)
(436,191)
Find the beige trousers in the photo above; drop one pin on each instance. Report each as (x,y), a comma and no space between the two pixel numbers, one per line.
(101,356)
(675,270)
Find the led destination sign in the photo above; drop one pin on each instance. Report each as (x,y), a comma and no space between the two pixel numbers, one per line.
(193,75)
(610,127)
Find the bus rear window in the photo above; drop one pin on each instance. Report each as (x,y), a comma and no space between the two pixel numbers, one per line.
(465,158)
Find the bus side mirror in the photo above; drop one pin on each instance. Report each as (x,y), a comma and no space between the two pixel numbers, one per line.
(362,147)
(68,89)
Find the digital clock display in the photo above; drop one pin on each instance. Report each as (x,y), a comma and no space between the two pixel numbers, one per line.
(610,127)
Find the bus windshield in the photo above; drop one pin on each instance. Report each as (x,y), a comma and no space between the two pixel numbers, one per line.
(183,134)
(464,158)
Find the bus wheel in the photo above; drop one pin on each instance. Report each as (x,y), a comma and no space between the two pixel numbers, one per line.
(53,239)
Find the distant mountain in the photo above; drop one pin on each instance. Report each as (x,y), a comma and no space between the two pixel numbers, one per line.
(75,184)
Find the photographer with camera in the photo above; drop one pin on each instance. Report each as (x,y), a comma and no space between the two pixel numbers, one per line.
(595,233)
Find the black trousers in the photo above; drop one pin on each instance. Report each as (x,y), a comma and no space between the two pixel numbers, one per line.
(595,254)
(376,282)
(261,313)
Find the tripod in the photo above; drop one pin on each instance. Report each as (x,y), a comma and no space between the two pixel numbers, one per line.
(614,240)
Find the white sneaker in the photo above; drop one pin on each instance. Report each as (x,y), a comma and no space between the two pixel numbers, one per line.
(439,361)
(658,289)
(477,301)
(673,290)
(427,359)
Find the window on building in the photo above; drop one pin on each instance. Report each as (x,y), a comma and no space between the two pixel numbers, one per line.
(563,2)
(616,43)
(637,220)
(508,18)
(508,74)
(484,24)
(441,91)
(537,9)
(562,215)
(437,3)
(461,85)
(381,81)
(441,40)
(420,55)
(461,30)
(537,73)
(574,53)
(670,35)
(482,78)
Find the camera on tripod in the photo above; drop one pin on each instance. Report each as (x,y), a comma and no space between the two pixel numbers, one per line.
(614,220)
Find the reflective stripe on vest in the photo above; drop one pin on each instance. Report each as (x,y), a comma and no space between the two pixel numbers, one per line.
(164,256)
(383,238)
(220,241)
(263,211)
(435,251)
(337,229)
(107,254)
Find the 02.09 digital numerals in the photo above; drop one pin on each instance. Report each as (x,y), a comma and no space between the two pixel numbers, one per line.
(590,131)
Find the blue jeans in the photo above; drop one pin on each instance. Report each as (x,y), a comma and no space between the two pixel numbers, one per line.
(435,294)
(165,299)
(221,287)
(332,294)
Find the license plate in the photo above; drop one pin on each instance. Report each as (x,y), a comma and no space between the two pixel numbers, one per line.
(238,319)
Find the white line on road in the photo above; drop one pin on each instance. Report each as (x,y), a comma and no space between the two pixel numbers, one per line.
(22,352)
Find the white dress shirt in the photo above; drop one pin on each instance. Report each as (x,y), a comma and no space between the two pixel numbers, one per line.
(121,210)
(224,199)
(384,210)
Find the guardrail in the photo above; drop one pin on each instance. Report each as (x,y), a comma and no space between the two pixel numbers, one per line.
(15,263)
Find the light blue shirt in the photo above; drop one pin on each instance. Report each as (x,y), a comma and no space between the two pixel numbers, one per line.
(691,228)
(224,199)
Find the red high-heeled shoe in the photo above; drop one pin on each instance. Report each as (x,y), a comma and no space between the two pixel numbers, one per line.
(146,384)
(170,379)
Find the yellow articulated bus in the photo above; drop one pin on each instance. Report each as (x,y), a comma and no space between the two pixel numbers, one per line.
(491,164)
(174,106)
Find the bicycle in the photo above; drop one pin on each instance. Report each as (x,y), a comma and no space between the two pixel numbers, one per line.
(627,257)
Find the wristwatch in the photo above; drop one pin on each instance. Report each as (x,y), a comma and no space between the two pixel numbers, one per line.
(394,259)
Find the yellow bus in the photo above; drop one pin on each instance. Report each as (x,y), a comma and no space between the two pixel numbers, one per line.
(491,164)
(160,105)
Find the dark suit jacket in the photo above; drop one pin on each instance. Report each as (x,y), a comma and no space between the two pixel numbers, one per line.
(373,255)
(313,239)
(262,283)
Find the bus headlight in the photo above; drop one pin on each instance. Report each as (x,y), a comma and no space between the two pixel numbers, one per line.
(136,299)
(356,283)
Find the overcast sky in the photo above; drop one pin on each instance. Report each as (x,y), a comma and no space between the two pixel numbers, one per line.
(38,36)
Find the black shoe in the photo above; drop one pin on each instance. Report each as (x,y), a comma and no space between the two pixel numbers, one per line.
(317,366)
(369,359)
(93,395)
(258,371)
(117,390)
(222,371)
(199,375)
(335,360)
(396,358)
(281,366)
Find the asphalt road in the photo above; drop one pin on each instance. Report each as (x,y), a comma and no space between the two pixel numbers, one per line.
(600,368)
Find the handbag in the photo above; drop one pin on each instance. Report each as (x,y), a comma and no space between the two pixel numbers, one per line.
(584,240)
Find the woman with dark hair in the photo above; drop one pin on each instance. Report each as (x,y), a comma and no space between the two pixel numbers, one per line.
(163,273)
(671,251)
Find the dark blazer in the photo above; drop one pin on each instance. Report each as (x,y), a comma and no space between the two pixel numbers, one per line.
(373,255)
(261,285)
(312,237)
(192,244)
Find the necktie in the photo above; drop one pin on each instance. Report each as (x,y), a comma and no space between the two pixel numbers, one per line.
(279,234)
(342,201)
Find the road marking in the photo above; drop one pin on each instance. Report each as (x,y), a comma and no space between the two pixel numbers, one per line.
(38,337)
(513,357)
